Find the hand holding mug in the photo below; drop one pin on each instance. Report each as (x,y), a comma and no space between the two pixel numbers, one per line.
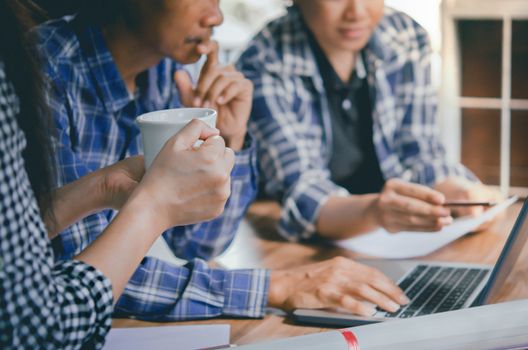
(186,184)
(222,88)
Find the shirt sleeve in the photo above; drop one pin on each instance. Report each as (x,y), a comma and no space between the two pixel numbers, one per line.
(159,291)
(289,151)
(419,145)
(193,291)
(71,166)
(42,305)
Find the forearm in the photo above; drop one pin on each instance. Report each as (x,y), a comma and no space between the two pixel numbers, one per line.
(75,201)
(119,250)
(342,217)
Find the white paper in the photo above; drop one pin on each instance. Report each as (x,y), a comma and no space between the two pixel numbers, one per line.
(403,245)
(170,337)
(488,327)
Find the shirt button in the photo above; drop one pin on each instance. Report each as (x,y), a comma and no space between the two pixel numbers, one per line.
(346,104)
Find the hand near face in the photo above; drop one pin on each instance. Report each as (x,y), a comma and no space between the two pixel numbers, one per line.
(404,206)
(221,88)
(336,283)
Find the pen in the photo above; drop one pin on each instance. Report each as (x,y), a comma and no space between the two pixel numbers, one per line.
(468,204)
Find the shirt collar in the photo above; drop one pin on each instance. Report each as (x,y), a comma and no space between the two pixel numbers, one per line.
(107,78)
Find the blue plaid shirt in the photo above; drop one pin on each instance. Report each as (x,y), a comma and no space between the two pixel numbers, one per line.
(95,118)
(292,124)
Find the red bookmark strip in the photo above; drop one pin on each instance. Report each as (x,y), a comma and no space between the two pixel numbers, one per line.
(351,339)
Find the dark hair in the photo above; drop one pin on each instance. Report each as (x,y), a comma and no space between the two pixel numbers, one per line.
(17,51)
(96,12)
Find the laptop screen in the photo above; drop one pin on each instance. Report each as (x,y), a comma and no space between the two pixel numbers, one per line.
(511,251)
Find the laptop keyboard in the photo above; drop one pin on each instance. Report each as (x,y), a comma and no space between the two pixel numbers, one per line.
(433,289)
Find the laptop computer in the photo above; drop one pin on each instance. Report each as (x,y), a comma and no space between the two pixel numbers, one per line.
(435,287)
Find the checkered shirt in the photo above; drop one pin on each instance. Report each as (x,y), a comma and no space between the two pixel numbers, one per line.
(95,117)
(43,305)
(292,125)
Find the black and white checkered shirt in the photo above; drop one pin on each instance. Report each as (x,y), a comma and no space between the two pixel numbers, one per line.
(42,305)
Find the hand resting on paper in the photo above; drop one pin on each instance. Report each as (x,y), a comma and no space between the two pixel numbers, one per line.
(456,188)
(405,206)
(335,283)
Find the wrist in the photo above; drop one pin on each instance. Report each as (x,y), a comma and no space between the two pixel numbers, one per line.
(96,194)
(277,290)
(145,208)
(372,211)
(236,142)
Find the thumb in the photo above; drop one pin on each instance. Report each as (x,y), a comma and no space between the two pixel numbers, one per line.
(185,87)
(192,132)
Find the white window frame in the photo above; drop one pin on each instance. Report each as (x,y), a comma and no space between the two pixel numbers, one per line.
(451,100)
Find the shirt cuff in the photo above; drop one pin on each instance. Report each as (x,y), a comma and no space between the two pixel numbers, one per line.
(301,209)
(245,159)
(96,291)
(246,293)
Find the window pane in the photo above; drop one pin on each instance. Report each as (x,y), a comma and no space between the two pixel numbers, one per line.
(520,59)
(481,143)
(481,57)
(519,150)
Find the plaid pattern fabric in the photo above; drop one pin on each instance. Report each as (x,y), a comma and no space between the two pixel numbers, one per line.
(42,305)
(95,117)
(291,121)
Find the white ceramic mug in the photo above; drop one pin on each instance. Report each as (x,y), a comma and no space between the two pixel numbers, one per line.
(159,126)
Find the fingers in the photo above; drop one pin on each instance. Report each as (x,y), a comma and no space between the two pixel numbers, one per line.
(234,90)
(211,50)
(410,205)
(229,156)
(215,146)
(374,288)
(335,298)
(192,132)
(185,87)
(385,285)
(209,72)
(420,192)
(371,295)
(469,211)
(218,88)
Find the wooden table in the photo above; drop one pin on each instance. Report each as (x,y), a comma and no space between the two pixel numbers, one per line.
(258,245)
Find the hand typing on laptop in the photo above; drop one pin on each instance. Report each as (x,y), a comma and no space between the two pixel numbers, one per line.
(336,283)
